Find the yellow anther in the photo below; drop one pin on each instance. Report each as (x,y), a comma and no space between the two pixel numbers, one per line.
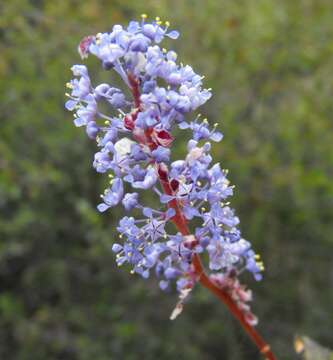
(69,85)
(129,254)
(110,175)
(144,16)
(164,50)
(121,236)
(205,120)
(157,18)
(159,22)
(216,124)
(260,264)
(107,122)
(67,94)
(167,23)
(199,183)
(257,256)
(203,209)
(102,196)
(132,272)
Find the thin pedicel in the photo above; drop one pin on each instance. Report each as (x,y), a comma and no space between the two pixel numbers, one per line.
(134,140)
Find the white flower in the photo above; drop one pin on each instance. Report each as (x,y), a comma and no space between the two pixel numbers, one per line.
(123,146)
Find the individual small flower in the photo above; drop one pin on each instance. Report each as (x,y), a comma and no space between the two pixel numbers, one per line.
(123,147)
(161,154)
(112,196)
(148,180)
(130,201)
(201,130)
(80,88)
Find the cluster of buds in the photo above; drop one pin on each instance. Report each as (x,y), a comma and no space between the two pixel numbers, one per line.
(230,284)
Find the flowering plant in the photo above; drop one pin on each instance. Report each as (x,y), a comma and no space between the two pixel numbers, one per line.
(134,138)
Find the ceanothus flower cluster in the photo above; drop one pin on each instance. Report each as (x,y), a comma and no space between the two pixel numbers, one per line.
(134,138)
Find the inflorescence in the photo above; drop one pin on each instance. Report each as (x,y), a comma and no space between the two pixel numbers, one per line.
(134,137)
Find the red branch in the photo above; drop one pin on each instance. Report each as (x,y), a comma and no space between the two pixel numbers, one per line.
(181,224)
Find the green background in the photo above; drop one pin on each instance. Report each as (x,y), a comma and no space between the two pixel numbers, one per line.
(270,66)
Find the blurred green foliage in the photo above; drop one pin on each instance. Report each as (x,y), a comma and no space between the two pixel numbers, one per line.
(62,297)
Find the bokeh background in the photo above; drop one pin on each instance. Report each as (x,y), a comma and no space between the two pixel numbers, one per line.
(61,296)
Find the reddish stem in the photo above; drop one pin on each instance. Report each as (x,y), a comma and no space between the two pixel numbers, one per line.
(180,222)
(135,90)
